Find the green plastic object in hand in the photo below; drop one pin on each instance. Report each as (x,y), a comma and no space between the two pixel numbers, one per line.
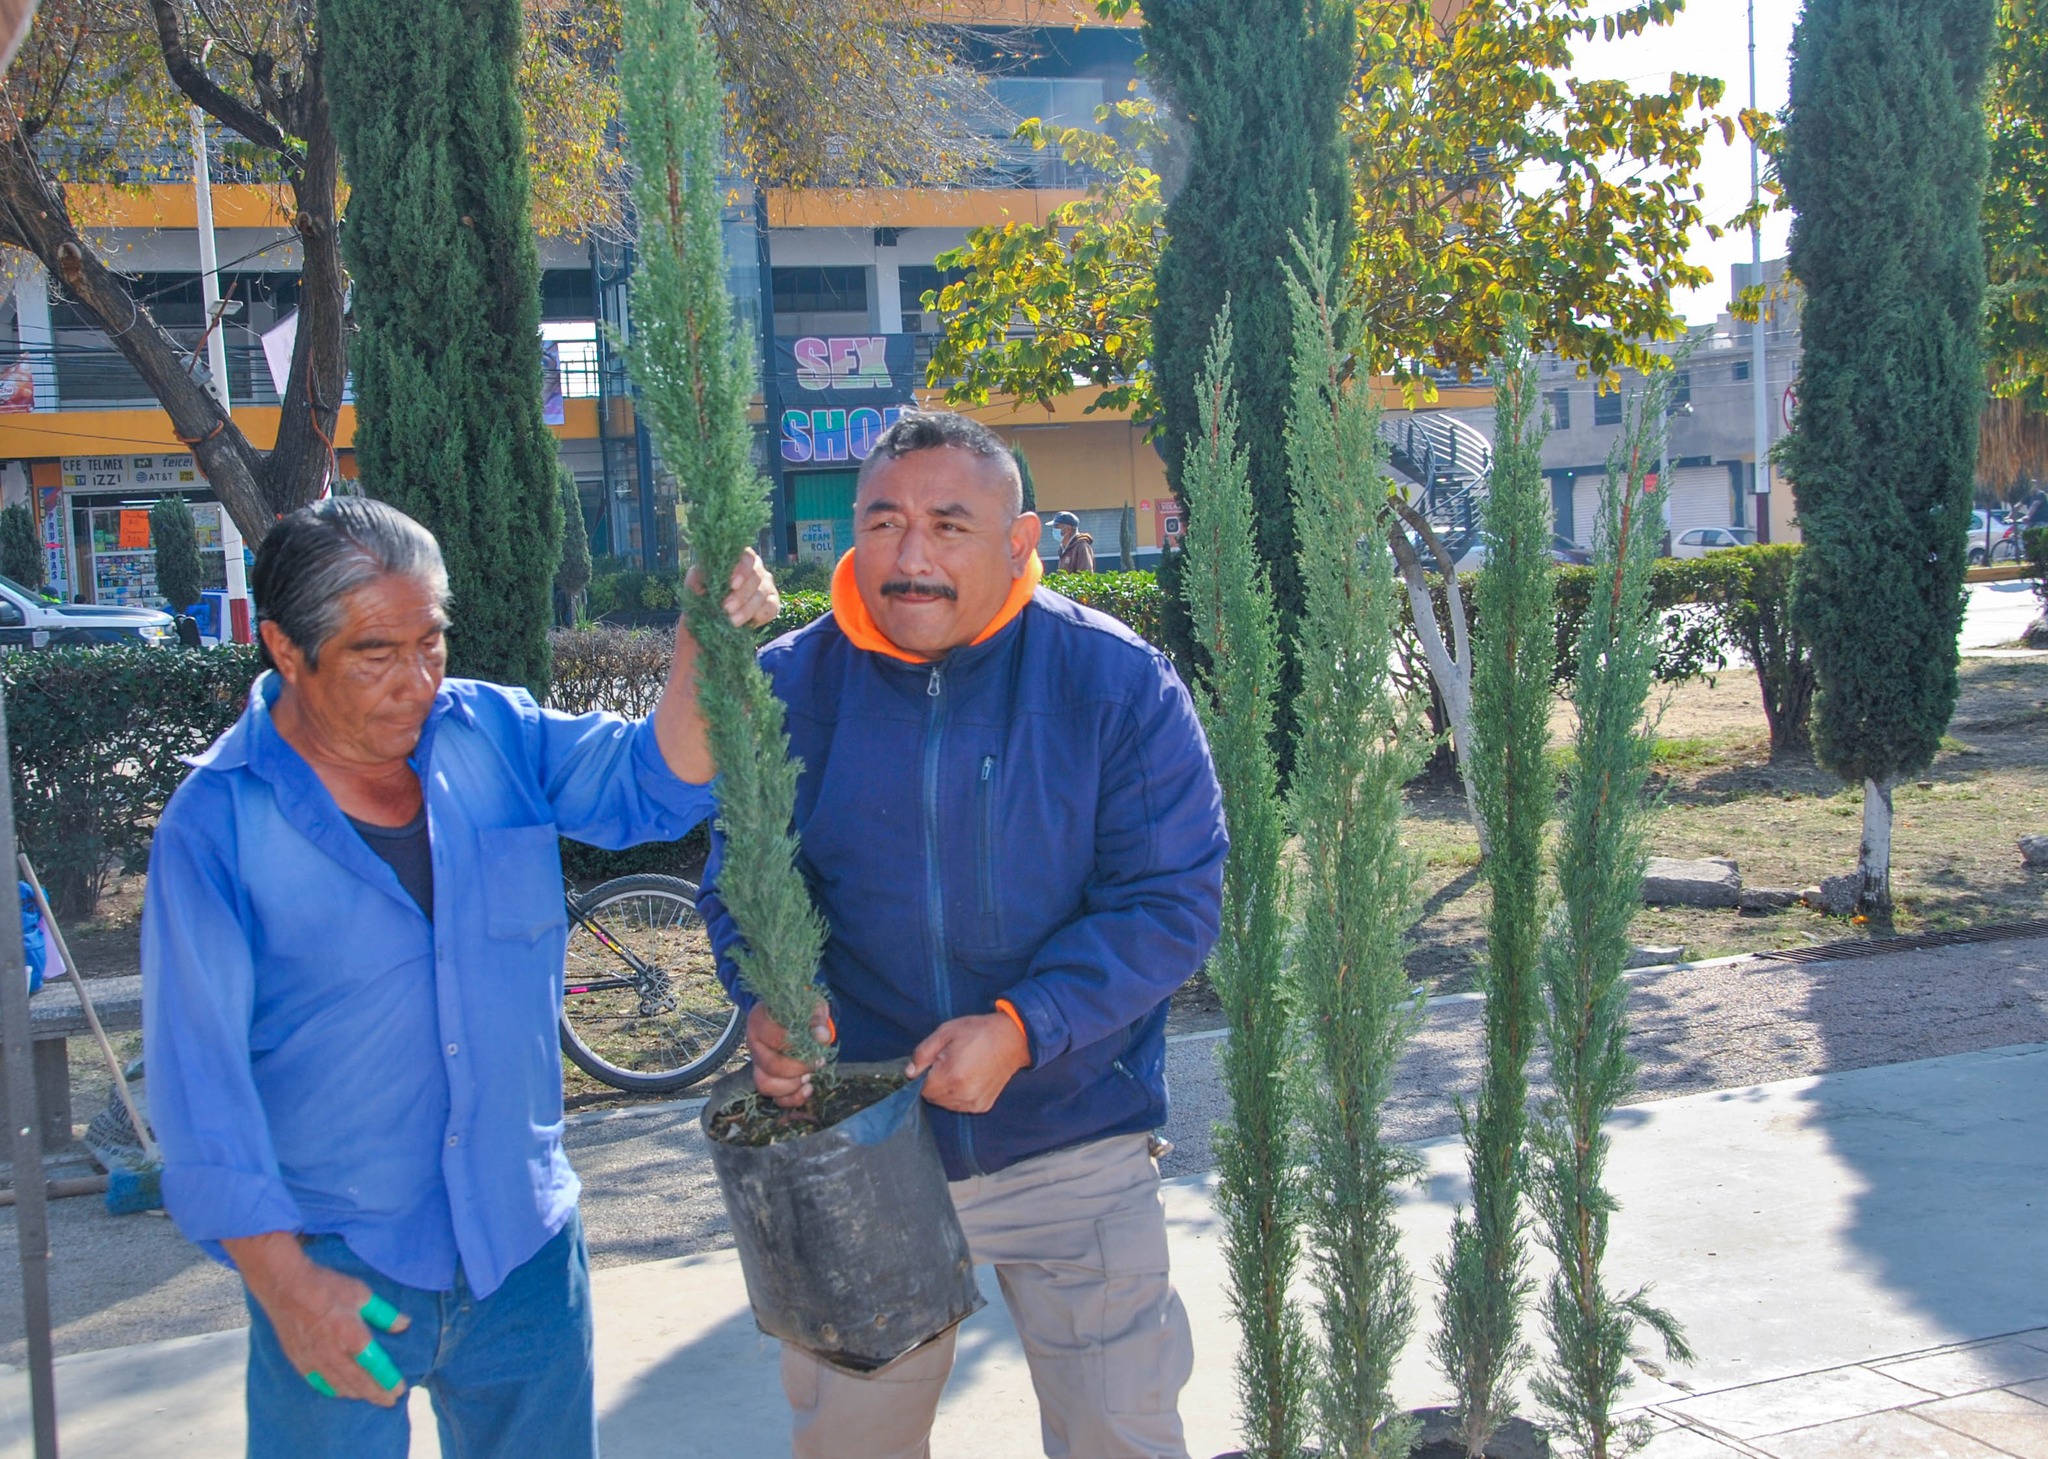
(373,1360)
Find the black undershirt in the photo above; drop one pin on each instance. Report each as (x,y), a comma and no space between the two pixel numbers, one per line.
(406,850)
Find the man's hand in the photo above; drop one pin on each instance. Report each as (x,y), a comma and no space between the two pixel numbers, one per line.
(784,1079)
(678,722)
(317,1313)
(971,1061)
(753,601)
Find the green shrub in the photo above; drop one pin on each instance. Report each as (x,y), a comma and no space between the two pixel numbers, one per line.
(96,736)
(179,576)
(1132,598)
(2034,547)
(803,577)
(797,609)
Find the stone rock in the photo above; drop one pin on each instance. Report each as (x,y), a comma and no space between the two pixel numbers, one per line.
(1653,957)
(1767,899)
(1834,897)
(1714,882)
(2034,851)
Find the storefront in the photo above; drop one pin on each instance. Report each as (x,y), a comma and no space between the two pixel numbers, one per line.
(96,530)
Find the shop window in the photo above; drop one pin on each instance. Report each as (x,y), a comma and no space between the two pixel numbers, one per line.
(822,299)
(1560,410)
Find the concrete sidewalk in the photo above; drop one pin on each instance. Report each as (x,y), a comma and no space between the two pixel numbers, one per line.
(1841,1249)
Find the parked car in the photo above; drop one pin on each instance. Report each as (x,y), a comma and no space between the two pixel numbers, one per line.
(1988,530)
(1562,550)
(1701,540)
(29,620)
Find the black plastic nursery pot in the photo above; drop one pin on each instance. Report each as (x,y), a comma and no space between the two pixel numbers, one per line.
(1515,1439)
(846,1235)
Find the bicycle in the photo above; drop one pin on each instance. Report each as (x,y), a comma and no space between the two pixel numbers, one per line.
(642,1007)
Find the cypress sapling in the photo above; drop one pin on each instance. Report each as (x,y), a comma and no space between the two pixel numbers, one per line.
(1485,1282)
(695,377)
(174,534)
(1600,857)
(21,546)
(1230,603)
(1356,749)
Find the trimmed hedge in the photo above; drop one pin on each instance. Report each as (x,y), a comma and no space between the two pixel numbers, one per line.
(96,735)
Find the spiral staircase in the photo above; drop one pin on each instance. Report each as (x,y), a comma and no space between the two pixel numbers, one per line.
(1442,465)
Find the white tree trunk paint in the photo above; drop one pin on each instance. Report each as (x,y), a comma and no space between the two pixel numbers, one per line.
(1874,857)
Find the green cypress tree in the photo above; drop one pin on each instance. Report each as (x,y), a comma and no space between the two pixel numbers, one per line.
(1883,164)
(447,301)
(695,374)
(1024,476)
(21,547)
(572,571)
(1601,852)
(175,536)
(1356,748)
(1255,88)
(1127,536)
(1230,604)
(1485,1282)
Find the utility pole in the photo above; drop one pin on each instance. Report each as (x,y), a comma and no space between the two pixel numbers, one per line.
(238,625)
(1761,401)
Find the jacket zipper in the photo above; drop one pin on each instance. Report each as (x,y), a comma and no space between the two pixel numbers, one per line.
(935,897)
(986,869)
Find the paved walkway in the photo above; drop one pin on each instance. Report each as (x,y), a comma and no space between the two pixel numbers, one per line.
(1859,1258)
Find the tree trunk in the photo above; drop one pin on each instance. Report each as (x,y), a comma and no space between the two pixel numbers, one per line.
(1874,857)
(1451,672)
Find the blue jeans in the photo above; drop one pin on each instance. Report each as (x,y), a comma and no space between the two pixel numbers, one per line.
(510,1374)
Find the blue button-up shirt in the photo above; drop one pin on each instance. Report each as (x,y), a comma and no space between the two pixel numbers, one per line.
(322,1056)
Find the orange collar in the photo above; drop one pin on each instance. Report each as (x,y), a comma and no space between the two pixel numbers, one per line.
(862,631)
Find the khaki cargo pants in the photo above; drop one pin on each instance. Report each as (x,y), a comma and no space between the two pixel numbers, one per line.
(1078,1241)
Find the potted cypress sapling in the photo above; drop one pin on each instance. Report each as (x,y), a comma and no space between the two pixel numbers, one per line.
(1601,852)
(1356,748)
(1484,1280)
(1230,606)
(840,1211)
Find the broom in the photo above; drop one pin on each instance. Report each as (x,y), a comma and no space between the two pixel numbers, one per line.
(130,1189)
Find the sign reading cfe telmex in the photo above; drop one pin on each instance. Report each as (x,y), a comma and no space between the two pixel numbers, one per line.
(840,374)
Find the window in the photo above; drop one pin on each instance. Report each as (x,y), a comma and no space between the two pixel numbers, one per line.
(1742,369)
(1681,389)
(1607,408)
(1560,410)
(913,281)
(822,299)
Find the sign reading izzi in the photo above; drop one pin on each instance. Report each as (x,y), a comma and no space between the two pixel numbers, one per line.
(837,380)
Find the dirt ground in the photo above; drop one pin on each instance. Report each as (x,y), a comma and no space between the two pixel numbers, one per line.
(1788,823)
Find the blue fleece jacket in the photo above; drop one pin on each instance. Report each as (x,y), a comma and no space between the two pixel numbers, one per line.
(1035,818)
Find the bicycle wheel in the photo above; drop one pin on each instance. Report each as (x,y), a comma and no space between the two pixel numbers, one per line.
(642,1007)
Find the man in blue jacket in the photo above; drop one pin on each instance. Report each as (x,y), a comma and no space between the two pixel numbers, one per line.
(352,948)
(1012,828)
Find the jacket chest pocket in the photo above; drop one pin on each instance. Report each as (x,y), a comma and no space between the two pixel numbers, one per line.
(522,882)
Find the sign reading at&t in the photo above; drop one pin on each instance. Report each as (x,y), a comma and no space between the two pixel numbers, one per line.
(834,434)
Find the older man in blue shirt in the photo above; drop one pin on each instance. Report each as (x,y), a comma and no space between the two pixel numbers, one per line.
(352,962)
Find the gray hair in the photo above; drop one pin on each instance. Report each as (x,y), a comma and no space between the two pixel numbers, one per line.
(929,430)
(315,557)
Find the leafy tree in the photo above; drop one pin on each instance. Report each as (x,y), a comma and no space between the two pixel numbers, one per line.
(21,546)
(100,91)
(695,374)
(1601,852)
(2016,204)
(1356,748)
(572,572)
(1485,1278)
(447,306)
(1229,600)
(175,536)
(1482,177)
(1884,158)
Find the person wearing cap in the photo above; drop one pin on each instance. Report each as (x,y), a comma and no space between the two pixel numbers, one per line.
(1077,548)
(1010,823)
(352,952)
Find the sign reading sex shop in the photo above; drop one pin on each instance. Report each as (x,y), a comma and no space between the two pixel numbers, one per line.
(829,387)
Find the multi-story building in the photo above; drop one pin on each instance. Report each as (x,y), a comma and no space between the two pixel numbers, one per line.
(1711,445)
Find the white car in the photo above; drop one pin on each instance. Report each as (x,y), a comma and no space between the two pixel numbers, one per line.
(29,620)
(1702,540)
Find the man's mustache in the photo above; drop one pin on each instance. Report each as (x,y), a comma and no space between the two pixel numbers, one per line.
(904,588)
